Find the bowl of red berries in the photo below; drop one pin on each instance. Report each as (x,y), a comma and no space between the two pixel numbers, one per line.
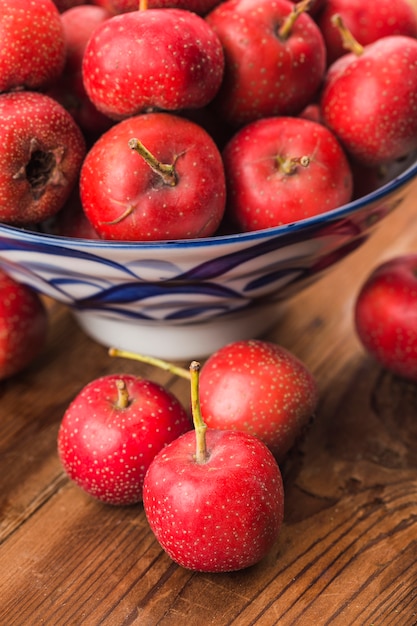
(202,179)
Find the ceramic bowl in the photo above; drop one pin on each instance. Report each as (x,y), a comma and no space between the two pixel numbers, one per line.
(184,299)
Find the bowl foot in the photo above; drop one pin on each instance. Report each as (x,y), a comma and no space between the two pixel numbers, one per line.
(195,340)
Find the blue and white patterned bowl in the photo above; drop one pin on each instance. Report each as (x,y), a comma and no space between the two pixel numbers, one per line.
(184,299)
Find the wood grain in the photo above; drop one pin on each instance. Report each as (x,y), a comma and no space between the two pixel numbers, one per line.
(347,554)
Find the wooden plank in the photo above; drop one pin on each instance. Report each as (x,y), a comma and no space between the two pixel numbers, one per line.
(347,553)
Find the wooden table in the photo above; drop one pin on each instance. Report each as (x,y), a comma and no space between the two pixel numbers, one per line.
(347,553)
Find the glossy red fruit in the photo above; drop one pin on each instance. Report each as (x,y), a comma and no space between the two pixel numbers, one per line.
(201,7)
(154,59)
(125,198)
(273,65)
(386,315)
(71,220)
(367,21)
(41,152)
(220,516)
(69,91)
(260,388)
(281,170)
(369,100)
(23,326)
(214,498)
(32,51)
(111,432)
(79,23)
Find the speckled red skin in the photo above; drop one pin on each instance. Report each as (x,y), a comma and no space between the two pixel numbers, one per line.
(23,326)
(201,7)
(370,101)
(261,195)
(166,59)
(69,91)
(386,315)
(79,23)
(71,220)
(106,450)
(260,388)
(41,152)
(264,74)
(32,51)
(125,200)
(367,21)
(221,515)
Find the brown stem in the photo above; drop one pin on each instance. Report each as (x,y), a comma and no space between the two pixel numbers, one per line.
(122,395)
(286,27)
(348,40)
(129,210)
(151,360)
(165,170)
(288,165)
(200,427)
(143,5)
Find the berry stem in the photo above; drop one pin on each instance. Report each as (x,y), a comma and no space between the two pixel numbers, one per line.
(348,40)
(288,165)
(199,425)
(286,27)
(165,170)
(151,360)
(122,395)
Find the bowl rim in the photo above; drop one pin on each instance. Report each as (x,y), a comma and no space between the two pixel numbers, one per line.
(218,240)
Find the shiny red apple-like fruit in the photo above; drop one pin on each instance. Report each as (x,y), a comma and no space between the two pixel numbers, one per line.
(214,498)
(177,191)
(23,326)
(386,315)
(111,431)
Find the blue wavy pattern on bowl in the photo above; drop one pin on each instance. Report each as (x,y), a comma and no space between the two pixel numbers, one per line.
(198,279)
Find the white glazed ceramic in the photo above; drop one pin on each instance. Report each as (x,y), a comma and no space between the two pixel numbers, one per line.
(184,299)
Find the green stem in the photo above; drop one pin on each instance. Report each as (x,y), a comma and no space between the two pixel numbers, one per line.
(288,165)
(122,395)
(286,28)
(151,360)
(348,40)
(200,427)
(165,170)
